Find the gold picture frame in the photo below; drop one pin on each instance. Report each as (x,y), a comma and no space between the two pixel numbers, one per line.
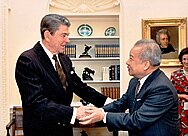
(178,32)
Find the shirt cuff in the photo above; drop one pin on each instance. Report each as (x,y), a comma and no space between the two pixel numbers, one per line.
(105,113)
(104,119)
(73,116)
(108,100)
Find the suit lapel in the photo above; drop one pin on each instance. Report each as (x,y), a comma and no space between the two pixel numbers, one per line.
(148,82)
(47,64)
(141,95)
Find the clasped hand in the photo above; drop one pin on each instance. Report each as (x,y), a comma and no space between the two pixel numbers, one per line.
(89,114)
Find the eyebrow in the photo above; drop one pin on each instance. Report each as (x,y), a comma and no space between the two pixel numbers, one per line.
(131,56)
(164,38)
(66,34)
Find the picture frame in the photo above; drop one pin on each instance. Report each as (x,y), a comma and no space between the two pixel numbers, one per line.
(177,28)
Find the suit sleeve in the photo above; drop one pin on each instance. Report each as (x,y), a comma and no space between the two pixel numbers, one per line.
(158,102)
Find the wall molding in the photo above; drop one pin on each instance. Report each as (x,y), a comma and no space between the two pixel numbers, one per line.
(84,6)
(4,108)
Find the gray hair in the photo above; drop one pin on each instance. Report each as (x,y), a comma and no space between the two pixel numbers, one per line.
(51,22)
(162,31)
(150,51)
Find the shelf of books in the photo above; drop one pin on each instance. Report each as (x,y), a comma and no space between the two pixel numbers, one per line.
(111,92)
(109,51)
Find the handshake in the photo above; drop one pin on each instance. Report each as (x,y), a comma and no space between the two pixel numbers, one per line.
(89,114)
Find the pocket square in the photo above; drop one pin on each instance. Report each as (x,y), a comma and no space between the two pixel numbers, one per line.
(138,99)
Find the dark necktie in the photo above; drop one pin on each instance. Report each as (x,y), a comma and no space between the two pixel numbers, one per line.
(60,72)
(137,88)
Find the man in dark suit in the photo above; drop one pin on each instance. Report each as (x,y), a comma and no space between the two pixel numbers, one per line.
(46,102)
(152,105)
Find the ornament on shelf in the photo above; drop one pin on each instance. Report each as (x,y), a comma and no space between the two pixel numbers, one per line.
(86,74)
(85,30)
(110,31)
(85,53)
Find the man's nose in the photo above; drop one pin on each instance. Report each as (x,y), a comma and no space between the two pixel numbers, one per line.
(67,39)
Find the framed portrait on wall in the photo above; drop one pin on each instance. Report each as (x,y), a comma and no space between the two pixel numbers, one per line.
(170,34)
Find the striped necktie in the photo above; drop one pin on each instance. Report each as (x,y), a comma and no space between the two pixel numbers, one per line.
(60,72)
(137,88)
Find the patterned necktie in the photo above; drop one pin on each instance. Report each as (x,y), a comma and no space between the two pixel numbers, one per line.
(60,72)
(137,88)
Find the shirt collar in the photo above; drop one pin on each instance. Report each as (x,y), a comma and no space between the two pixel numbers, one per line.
(143,80)
(49,54)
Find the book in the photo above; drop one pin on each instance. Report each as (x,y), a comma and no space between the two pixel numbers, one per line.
(111,92)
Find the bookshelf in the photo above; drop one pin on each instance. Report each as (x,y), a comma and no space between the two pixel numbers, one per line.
(101,52)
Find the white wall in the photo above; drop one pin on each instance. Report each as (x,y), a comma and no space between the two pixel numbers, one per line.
(24,21)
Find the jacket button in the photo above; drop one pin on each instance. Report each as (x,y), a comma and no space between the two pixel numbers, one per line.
(63,125)
(59,123)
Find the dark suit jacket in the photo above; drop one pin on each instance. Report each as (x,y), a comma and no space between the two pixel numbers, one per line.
(153,112)
(46,105)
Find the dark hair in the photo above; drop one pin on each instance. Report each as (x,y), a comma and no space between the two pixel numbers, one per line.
(51,22)
(183,52)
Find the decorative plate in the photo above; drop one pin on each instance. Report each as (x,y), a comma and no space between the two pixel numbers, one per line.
(110,31)
(85,30)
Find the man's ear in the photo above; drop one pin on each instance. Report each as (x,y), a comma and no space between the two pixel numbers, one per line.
(47,36)
(147,65)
